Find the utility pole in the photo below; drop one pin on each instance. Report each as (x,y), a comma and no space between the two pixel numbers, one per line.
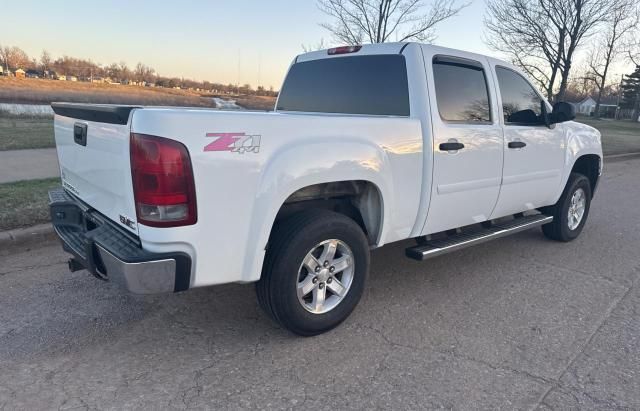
(617,116)
(259,67)
(238,81)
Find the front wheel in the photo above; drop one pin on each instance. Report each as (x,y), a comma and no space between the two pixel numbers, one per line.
(571,211)
(314,271)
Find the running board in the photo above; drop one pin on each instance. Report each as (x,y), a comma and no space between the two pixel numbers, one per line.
(434,248)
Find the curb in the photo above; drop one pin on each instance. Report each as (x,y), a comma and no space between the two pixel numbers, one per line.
(21,239)
(621,157)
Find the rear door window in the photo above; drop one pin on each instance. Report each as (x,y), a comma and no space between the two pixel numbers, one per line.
(461,90)
(372,85)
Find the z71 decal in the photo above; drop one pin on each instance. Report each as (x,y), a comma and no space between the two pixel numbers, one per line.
(234,142)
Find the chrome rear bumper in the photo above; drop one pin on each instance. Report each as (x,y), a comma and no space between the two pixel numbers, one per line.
(112,254)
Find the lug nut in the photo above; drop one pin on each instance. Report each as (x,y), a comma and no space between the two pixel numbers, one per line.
(315,280)
(326,263)
(329,280)
(332,269)
(317,269)
(321,285)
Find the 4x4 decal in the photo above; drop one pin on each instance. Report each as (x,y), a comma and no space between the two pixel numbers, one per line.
(234,142)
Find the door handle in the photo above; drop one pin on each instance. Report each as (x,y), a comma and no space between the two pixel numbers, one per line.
(516,144)
(451,146)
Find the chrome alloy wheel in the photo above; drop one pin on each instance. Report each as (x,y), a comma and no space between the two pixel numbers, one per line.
(325,276)
(576,209)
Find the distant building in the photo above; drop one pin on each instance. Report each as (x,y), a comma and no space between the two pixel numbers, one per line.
(72,78)
(587,106)
(1,71)
(20,73)
(61,77)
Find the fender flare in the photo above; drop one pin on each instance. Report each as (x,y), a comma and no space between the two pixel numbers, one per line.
(580,141)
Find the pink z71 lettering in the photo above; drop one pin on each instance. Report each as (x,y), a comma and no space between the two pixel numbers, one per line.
(234,142)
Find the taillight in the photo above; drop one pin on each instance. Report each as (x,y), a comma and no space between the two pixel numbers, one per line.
(162,182)
(344,50)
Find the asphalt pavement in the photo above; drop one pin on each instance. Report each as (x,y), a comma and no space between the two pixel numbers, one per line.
(518,323)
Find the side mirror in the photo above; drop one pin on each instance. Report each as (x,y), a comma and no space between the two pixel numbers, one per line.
(562,112)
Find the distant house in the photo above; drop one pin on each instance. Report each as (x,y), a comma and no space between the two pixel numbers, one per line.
(1,71)
(61,77)
(20,73)
(587,106)
(72,78)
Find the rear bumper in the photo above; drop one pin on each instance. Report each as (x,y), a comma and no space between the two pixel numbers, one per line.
(110,253)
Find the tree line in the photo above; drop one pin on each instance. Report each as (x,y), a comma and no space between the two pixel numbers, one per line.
(12,58)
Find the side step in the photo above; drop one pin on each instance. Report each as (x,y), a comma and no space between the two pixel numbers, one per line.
(434,248)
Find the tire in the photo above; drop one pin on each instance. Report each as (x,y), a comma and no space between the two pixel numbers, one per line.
(563,228)
(291,242)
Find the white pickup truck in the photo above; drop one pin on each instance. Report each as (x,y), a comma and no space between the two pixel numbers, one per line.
(367,145)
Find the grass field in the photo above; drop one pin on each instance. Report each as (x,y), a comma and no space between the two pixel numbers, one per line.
(24,132)
(256,102)
(18,133)
(40,91)
(25,203)
(618,136)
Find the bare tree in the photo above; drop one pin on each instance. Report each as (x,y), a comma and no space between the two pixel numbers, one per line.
(542,36)
(379,21)
(5,57)
(14,57)
(144,73)
(609,46)
(318,46)
(124,71)
(632,48)
(45,60)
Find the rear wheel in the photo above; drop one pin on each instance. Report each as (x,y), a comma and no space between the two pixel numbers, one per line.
(571,211)
(314,272)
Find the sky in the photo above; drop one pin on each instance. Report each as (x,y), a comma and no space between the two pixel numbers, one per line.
(226,41)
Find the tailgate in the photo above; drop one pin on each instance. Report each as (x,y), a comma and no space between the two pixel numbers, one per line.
(93,150)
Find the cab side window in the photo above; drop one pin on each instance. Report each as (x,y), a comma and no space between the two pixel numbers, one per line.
(461,90)
(521,104)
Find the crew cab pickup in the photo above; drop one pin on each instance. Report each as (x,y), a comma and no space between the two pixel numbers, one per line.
(367,145)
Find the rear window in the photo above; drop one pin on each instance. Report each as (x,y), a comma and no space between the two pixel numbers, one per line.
(374,85)
(461,90)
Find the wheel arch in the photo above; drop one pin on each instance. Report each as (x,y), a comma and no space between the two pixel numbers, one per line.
(360,200)
(589,165)
(294,176)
